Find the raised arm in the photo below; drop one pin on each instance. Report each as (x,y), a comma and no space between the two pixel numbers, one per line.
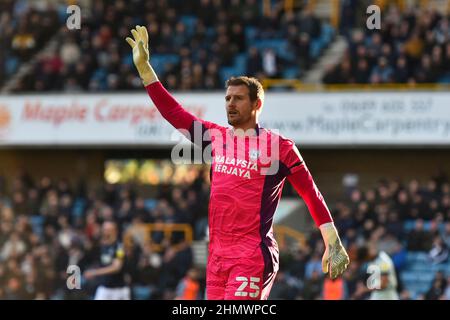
(170,109)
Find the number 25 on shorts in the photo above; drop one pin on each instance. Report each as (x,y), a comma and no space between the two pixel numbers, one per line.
(254,285)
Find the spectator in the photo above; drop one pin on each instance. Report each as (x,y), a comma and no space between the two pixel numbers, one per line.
(382,72)
(439,251)
(313,286)
(418,238)
(270,63)
(362,72)
(334,289)
(95,60)
(189,286)
(436,291)
(254,61)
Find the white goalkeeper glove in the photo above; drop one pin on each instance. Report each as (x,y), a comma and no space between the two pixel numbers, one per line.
(335,259)
(141,55)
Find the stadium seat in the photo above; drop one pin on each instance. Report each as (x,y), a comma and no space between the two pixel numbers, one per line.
(150,204)
(327,33)
(78,208)
(160,61)
(240,63)
(11,65)
(227,72)
(250,33)
(189,22)
(315,49)
(291,73)
(445,79)
(37,224)
(141,292)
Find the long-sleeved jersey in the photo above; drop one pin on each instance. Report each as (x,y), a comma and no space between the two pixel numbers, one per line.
(248,173)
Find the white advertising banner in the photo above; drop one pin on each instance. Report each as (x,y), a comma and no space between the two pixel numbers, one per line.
(311,119)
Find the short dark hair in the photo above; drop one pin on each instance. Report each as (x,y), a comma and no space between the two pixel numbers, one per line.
(255,88)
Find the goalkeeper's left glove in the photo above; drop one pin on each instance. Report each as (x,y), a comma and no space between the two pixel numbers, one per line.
(335,259)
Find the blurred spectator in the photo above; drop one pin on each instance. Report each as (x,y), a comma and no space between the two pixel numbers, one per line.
(334,289)
(439,251)
(312,289)
(97,59)
(254,62)
(270,63)
(382,73)
(437,288)
(189,286)
(418,238)
(409,48)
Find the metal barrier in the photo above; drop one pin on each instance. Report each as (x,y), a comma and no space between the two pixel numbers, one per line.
(283,233)
(304,87)
(144,231)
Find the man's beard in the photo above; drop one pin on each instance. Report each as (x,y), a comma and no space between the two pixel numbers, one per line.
(234,121)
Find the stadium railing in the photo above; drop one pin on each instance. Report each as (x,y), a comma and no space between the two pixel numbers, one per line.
(142,233)
(300,86)
(284,236)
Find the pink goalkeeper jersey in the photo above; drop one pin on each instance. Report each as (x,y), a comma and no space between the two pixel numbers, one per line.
(244,196)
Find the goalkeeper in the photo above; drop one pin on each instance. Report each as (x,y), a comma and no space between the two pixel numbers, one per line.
(243,254)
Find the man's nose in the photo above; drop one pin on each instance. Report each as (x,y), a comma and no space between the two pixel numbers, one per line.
(232,105)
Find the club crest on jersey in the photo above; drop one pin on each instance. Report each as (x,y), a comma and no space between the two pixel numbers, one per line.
(254,154)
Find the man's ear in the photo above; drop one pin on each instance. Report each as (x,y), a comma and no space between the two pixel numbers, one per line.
(258,105)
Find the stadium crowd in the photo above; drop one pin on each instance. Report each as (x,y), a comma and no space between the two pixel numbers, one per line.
(24,30)
(401,218)
(194,50)
(191,48)
(411,47)
(47,225)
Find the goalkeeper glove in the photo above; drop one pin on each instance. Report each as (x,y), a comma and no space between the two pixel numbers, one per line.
(141,55)
(335,259)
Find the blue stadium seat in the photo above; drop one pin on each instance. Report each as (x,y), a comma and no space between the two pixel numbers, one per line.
(141,292)
(11,65)
(280,46)
(250,33)
(291,73)
(240,60)
(424,277)
(189,22)
(160,61)
(417,256)
(409,225)
(445,79)
(78,208)
(210,32)
(228,72)
(276,44)
(327,33)
(315,49)
(240,63)
(150,204)
(37,224)
(128,59)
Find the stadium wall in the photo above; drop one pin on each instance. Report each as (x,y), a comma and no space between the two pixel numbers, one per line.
(373,134)
(327,119)
(328,166)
